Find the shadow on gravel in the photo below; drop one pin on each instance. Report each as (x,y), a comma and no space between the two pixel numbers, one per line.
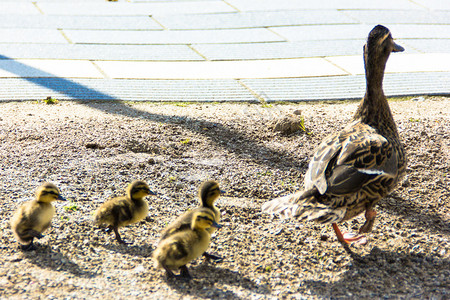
(388,274)
(47,258)
(219,134)
(142,250)
(203,283)
(416,214)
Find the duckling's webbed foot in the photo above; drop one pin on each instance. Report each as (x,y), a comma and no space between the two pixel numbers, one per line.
(184,273)
(213,257)
(29,247)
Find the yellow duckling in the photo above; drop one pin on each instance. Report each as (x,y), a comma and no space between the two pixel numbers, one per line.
(32,218)
(183,246)
(208,193)
(124,210)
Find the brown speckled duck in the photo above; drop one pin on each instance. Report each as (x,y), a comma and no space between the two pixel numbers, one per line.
(356,167)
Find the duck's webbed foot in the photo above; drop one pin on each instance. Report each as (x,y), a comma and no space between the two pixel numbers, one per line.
(213,257)
(349,238)
(370,219)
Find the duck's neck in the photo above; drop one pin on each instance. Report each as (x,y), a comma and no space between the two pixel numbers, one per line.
(374,109)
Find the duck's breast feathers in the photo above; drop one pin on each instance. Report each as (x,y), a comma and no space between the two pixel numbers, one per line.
(348,160)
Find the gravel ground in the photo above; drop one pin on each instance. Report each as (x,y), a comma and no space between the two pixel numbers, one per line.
(92,150)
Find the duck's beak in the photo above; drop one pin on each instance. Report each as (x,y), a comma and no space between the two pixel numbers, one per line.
(61,198)
(222,191)
(214,224)
(398,48)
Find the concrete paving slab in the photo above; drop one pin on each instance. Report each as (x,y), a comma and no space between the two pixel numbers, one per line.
(399,16)
(48,68)
(267,5)
(18,8)
(427,45)
(280,50)
(106,8)
(172,37)
(434,4)
(323,32)
(253,19)
(347,87)
(404,63)
(303,67)
(14,35)
(79,22)
(417,31)
(115,89)
(100,52)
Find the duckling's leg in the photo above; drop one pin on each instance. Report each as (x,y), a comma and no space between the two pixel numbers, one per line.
(29,247)
(348,238)
(118,238)
(370,219)
(184,273)
(212,256)
(169,272)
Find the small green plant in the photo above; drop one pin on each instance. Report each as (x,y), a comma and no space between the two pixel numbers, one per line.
(186,141)
(302,126)
(172,178)
(49,100)
(267,269)
(71,207)
(414,120)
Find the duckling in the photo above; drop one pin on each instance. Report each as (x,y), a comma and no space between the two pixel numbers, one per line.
(32,218)
(124,210)
(354,168)
(183,246)
(209,191)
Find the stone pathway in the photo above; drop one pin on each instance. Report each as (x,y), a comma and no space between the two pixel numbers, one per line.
(213,50)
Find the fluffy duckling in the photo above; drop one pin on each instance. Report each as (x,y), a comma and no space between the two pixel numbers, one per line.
(183,246)
(32,218)
(124,210)
(209,191)
(356,167)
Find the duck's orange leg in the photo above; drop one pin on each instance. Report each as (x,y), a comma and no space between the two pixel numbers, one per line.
(370,219)
(348,238)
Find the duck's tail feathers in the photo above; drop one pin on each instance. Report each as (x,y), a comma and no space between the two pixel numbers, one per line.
(304,206)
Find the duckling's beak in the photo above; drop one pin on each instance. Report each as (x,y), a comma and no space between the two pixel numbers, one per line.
(150,192)
(61,198)
(214,224)
(398,48)
(222,191)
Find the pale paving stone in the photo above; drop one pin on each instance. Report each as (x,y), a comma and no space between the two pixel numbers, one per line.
(172,37)
(255,5)
(221,69)
(398,63)
(13,35)
(48,68)
(127,9)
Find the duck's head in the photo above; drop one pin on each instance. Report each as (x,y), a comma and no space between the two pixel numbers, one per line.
(48,192)
(379,46)
(209,192)
(138,189)
(203,219)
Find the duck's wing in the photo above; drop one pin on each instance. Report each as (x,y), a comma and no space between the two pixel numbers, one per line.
(181,223)
(346,162)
